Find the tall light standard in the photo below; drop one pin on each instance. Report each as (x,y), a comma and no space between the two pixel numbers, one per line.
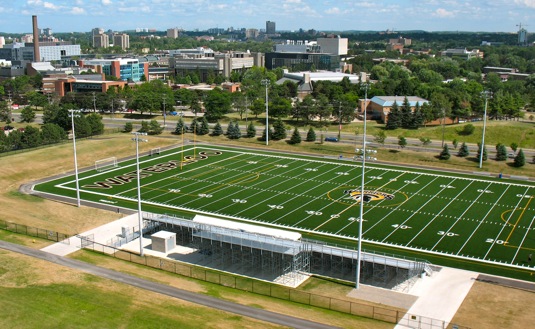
(361,219)
(137,139)
(443,122)
(72,114)
(164,113)
(265,82)
(339,120)
(486,94)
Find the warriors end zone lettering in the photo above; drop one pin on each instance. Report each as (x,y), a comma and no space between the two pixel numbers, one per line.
(149,171)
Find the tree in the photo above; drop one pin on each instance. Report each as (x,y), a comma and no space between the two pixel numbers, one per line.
(217,104)
(467,130)
(380,137)
(296,137)
(128,127)
(258,107)
(514,146)
(425,141)
(194,126)
(218,130)
(31,137)
(402,142)
(394,118)
(52,133)
(279,131)
(27,114)
(445,154)
(485,156)
(455,143)
(311,135)
(233,131)
(280,107)
(520,159)
(144,127)
(95,121)
(180,127)
(204,129)
(463,151)
(5,112)
(82,127)
(501,152)
(251,130)
(155,128)
(270,134)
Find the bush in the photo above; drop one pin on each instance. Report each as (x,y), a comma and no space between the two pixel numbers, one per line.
(128,127)
(467,130)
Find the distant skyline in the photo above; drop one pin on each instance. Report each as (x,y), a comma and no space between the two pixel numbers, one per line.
(337,15)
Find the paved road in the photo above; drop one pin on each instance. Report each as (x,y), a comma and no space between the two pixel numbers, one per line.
(200,299)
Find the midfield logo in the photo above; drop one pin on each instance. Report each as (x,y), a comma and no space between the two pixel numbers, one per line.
(368,195)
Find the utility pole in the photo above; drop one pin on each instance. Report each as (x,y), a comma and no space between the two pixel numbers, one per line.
(265,82)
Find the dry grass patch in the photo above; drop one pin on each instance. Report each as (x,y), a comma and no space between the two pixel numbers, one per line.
(492,306)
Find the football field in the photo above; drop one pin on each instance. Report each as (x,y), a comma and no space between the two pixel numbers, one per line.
(477,218)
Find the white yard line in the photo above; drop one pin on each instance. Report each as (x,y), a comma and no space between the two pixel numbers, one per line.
(482,221)
(459,217)
(504,225)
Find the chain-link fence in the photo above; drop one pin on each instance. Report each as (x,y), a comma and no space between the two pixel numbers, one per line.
(34,231)
(276,291)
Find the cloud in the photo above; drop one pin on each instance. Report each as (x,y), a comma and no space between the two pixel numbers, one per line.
(50,5)
(106,2)
(527,3)
(333,10)
(77,11)
(443,13)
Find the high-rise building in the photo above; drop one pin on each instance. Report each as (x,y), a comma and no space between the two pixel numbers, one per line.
(335,46)
(101,41)
(251,33)
(121,40)
(270,27)
(173,33)
(522,37)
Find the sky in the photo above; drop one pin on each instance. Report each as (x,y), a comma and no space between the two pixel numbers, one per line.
(321,15)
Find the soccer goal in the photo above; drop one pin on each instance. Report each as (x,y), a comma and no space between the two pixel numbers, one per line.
(106,164)
(155,151)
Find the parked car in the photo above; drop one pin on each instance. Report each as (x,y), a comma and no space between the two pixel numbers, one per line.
(511,155)
(331,139)
(8,127)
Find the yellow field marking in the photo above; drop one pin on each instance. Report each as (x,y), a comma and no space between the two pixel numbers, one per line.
(518,220)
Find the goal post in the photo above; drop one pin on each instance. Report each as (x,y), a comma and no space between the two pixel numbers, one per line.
(106,164)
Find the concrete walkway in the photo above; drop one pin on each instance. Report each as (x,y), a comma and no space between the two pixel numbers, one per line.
(101,234)
(439,298)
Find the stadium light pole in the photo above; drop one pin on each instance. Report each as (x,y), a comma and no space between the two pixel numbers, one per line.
(72,114)
(266,82)
(361,219)
(164,113)
(486,94)
(137,139)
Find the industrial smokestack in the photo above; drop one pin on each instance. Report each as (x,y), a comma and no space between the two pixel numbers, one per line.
(36,55)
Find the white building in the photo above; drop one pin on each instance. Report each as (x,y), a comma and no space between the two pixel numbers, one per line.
(335,46)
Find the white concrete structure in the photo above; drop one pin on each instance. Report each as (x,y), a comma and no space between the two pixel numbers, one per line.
(335,46)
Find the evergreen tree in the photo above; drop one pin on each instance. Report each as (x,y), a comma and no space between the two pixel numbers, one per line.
(463,151)
(417,117)
(52,133)
(194,126)
(218,130)
(270,132)
(394,118)
(204,129)
(233,131)
(296,137)
(485,156)
(180,127)
(82,127)
(128,127)
(251,130)
(406,114)
(144,127)
(155,128)
(279,131)
(501,152)
(95,121)
(31,137)
(520,159)
(311,135)
(402,142)
(27,114)
(445,154)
